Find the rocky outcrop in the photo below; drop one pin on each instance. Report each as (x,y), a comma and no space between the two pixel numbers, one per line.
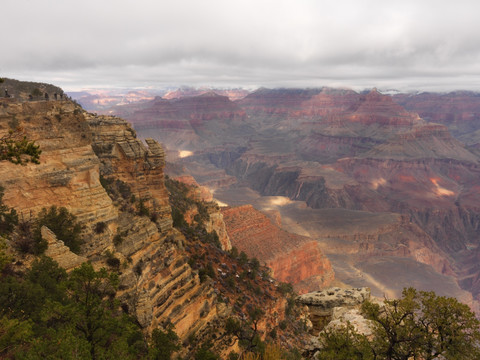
(215,217)
(68,173)
(159,286)
(292,258)
(321,304)
(327,299)
(57,250)
(127,158)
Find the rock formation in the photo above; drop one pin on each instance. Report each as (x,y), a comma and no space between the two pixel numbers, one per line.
(124,156)
(215,220)
(321,304)
(292,258)
(338,149)
(68,174)
(59,252)
(159,282)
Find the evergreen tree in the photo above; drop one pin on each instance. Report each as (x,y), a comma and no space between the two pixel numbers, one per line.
(420,325)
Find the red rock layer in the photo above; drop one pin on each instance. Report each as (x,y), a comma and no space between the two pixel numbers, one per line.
(186,112)
(292,258)
(460,109)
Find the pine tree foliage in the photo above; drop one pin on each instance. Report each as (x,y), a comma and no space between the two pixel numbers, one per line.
(419,325)
(18,149)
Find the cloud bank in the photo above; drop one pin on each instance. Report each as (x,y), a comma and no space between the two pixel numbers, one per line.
(425,45)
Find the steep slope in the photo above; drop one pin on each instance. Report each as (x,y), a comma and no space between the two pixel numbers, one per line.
(68,174)
(343,150)
(292,258)
(159,281)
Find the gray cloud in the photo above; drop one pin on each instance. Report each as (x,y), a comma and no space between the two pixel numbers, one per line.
(397,44)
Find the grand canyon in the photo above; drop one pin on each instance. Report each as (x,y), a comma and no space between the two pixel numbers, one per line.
(212,207)
(386,185)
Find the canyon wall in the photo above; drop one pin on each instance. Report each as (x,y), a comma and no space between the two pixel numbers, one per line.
(292,258)
(158,266)
(156,283)
(68,173)
(338,149)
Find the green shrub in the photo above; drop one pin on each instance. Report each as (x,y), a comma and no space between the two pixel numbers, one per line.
(206,271)
(100,227)
(164,343)
(8,216)
(63,224)
(18,149)
(142,210)
(243,258)
(24,240)
(117,239)
(205,354)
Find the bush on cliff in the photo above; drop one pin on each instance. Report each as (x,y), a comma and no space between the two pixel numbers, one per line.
(49,314)
(164,343)
(8,216)
(62,223)
(18,149)
(420,325)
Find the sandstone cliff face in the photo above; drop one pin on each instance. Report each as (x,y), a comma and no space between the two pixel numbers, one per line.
(124,156)
(160,286)
(292,258)
(157,284)
(215,221)
(68,174)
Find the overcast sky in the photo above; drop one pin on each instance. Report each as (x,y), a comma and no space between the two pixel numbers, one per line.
(401,44)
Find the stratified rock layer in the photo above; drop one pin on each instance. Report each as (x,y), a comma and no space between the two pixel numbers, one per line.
(321,304)
(57,250)
(157,285)
(292,258)
(68,173)
(127,158)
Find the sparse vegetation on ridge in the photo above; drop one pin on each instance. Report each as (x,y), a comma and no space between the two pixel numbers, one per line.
(18,149)
(420,325)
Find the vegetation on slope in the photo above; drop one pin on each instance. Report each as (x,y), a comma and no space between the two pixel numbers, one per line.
(242,284)
(420,325)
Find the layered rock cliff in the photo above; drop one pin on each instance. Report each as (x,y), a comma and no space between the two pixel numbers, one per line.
(68,174)
(292,258)
(157,283)
(159,280)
